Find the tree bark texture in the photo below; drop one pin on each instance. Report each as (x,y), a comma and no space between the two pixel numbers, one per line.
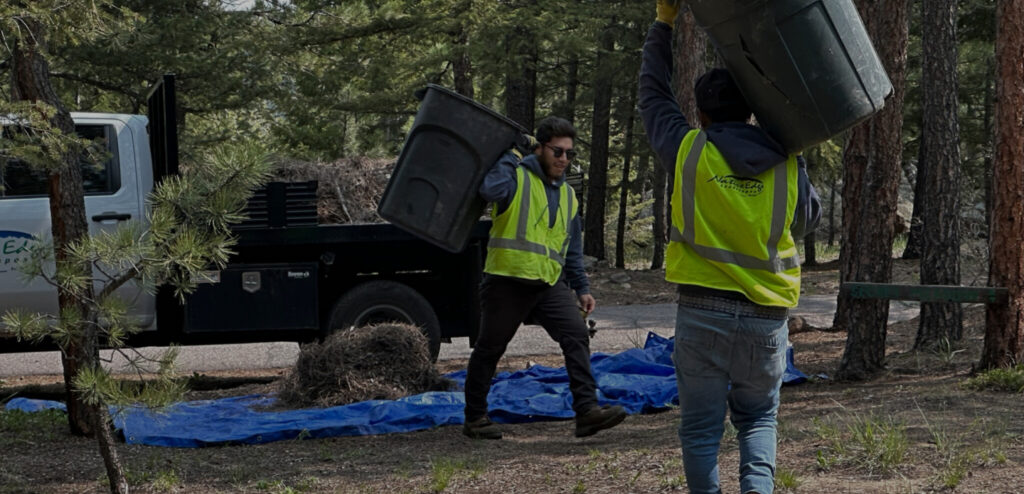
(871,171)
(521,77)
(1004,324)
(913,248)
(572,84)
(108,450)
(620,233)
(832,214)
(810,250)
(691,48)
(593,236)
(462,66)
(30,81)
(988,120)
(939,160)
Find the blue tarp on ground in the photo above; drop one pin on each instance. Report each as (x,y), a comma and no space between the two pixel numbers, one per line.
(641,380)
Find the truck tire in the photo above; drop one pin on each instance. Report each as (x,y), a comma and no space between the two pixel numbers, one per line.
(377,302)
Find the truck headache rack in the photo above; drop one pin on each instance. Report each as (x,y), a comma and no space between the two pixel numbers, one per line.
(281,205)
(163,127)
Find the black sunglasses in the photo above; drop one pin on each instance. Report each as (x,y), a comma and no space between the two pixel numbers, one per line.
(557,151)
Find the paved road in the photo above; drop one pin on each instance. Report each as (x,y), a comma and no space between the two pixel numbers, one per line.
(619,328)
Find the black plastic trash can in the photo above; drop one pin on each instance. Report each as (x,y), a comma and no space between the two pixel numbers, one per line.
(452,144)
(806,67)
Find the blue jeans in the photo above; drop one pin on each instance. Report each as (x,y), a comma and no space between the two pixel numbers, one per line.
(721,359)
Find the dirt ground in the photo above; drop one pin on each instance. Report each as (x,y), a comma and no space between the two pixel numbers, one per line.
(914,429)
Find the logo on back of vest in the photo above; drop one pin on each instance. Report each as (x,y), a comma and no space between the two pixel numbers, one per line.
(749,187)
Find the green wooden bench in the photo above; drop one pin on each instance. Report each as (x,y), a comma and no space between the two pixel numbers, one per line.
(926,293)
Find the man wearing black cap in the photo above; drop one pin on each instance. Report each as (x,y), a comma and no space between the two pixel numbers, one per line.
(739,204)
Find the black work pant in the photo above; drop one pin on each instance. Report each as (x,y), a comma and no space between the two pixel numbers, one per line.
(505,304)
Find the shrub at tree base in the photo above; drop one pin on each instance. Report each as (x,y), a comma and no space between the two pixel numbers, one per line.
(348,190)
(380,362)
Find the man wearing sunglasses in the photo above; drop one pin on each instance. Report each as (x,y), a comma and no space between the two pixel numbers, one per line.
(739,204)
(534,272)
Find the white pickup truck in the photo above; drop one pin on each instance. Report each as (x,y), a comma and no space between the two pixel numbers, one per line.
(291,279)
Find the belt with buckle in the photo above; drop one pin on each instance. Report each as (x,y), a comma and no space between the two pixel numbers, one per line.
(738,307)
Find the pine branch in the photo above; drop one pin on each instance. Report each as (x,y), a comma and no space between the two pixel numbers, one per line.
(372,29)
(99,84)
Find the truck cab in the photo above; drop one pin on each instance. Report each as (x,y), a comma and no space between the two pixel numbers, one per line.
(115,192)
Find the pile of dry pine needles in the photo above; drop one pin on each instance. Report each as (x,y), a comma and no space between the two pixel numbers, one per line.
(379,362)
(349,188)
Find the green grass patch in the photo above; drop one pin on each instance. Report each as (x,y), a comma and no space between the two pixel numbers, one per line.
(18,428)
(165,481)
(960,456)
(883,443)
(580,487)
(280,487)
(443,470)
(673,482)
(1001,380)
(870,444)
(786,479)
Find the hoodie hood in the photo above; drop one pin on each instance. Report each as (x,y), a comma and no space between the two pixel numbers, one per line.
(749,150)
(532,163)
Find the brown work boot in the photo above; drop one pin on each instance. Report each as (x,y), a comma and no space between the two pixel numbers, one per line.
(599,419)
(481,428)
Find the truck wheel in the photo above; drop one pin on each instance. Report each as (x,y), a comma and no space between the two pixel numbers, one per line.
(377,302)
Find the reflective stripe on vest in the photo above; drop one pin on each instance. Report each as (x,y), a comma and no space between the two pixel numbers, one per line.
(774,263)
(520,242)
(519,249)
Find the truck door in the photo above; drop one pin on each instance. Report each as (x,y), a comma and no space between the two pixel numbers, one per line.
(111,197)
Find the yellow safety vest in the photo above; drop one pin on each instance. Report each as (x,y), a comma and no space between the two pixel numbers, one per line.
(522,245)
(731,232)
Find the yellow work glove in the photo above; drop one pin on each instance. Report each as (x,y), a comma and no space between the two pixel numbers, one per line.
(524,145)
(667,11)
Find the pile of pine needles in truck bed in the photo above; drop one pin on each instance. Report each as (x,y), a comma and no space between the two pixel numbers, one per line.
(348,190)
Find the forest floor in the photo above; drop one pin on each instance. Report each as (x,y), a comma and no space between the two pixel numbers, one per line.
(915,428)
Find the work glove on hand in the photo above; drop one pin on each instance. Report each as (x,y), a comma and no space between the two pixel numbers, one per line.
(667,11)
(524,145)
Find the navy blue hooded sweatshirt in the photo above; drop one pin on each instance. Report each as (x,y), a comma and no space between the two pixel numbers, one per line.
(747,149)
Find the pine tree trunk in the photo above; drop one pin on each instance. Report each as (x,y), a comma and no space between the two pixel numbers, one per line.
(572,84)
(810,250)
(871,174)
(691,48)
(914,240)
(108,450)
(940,157)
(1004,328)
(620,234)
(521,77)
(30,81)
(987,119)
(593,237)
(462,66)
(832,215)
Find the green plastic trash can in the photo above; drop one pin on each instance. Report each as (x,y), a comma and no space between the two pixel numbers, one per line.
(806,67)
(451,146)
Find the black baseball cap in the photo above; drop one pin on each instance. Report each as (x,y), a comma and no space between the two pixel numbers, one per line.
(720,98)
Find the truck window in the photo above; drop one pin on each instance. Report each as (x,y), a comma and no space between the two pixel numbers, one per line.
(18,179)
